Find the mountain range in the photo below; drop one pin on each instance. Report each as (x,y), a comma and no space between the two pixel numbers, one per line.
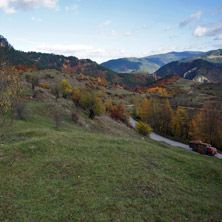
(197,66)
(206,67)
(147,65)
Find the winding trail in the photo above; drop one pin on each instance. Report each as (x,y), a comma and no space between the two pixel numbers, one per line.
(168,141)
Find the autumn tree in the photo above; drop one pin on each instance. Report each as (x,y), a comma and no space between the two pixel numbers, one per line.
(64,88)
(144,108)
(10,89)
(180,123)
(208,124)
(76,95)
(150,112)
(136,106)
(194,132)
(89,101)
(33,79)
(166,116)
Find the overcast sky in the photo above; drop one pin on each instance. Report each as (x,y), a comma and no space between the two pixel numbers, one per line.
(108,29)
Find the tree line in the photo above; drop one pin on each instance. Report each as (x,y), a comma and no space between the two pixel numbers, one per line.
(205,125)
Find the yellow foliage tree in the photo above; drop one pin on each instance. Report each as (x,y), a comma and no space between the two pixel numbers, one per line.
(143,111)
(194,132)
(158,90)
(166,117)
(64,88)
(180,123)
(10,88)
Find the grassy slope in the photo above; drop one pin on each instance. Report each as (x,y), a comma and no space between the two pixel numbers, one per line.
(102,171)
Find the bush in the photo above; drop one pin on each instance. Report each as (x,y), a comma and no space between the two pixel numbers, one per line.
(143,128)
(118,112)
(19,108)
(75,117)
(88,101)
(57,115)
(44,85)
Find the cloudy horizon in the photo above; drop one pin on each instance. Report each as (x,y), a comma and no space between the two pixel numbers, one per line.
(101,30)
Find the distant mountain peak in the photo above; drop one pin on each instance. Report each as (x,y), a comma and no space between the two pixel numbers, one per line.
(4,42)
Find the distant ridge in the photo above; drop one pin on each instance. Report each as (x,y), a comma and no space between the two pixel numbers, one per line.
(206,67)
(71,64)
(147,65)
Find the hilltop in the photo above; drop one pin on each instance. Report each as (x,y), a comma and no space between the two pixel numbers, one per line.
(146,65)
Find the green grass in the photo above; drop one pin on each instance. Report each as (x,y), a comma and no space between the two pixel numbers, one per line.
(102,171)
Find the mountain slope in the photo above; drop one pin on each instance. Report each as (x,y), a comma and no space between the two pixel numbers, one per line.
(147,64)
(71,64)
(204,68)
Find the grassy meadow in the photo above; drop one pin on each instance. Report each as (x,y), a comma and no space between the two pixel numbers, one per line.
(101,170)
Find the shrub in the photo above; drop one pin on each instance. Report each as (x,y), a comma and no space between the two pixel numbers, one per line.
(57,115)
(143,128)
(19,108)
(118,111)
(33,79)
(75,117)
(44,85)
(88,101)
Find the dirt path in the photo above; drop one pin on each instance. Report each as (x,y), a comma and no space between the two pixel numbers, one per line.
(168,141)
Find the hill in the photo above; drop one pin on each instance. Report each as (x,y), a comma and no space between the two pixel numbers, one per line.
(146,65)
(101,171)
(43,61)
(204,68)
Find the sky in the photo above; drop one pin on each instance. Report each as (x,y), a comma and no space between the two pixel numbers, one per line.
(108,29)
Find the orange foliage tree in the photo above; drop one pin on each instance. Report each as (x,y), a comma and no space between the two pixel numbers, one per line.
(207,125)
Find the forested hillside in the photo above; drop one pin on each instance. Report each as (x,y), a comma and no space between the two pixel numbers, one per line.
(146,65)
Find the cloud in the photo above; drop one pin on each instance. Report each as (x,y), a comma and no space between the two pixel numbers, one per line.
(200,31)
(11,6)
(215,31)
(164,49)
(196,15)
(82,51)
